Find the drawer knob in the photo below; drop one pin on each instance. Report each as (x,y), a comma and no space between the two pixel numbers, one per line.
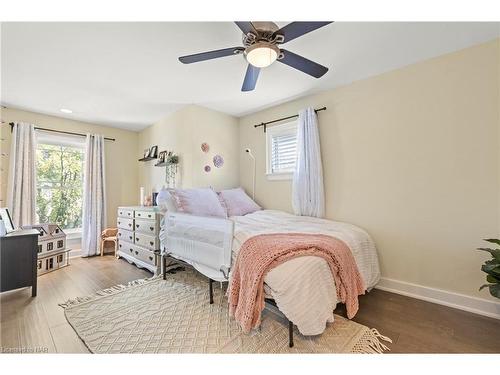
(150,258)
(137,238)
(131,250)
(149,215)
(130,237)
(119,234)
(137,225)
(136,253)
(151,243)
(151,228)
(129,224)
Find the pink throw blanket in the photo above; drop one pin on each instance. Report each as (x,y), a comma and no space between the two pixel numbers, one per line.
(261,253)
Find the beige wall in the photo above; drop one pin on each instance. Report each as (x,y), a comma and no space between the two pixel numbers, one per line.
(412,156)
(121,165)
(183,132)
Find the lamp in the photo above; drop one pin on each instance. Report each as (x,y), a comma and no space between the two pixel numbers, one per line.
(249,152)
(262,54)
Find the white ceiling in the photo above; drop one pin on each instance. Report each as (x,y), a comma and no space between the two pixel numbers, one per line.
(127,74)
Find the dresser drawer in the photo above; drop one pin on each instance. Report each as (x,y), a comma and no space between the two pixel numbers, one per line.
(125,235)
(144,240)
(125,212)
(146,255)
(126,247)
(148,227)
(125,223)
(137,252)
(149,215)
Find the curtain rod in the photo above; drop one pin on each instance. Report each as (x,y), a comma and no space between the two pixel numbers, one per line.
(264,124)
(62,132)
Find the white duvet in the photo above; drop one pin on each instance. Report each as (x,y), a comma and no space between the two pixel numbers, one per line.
(303,288)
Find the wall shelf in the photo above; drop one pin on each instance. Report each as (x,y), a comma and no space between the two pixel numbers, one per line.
(161,164)
(147,159)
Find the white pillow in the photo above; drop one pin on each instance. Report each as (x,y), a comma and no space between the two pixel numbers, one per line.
(165,201)
(200,202)
(237,202)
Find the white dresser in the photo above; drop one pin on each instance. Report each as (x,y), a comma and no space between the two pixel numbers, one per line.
(138,229)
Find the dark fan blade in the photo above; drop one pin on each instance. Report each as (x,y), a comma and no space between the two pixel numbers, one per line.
(189,59)
(295,29)
(250,78)
(301,63)
(246,27)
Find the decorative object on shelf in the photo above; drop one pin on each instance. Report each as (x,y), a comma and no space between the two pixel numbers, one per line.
(161,157)
(153,152)
(52,252)
(205,147)
(153,198)
(147,201)
(207,168)
(218,161)
(150,153)
(171,169)
(492,269)
(141,201)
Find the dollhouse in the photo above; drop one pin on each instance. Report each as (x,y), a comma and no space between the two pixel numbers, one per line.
(52,252)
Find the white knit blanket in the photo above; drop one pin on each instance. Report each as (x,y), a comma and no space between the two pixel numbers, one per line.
(303,288)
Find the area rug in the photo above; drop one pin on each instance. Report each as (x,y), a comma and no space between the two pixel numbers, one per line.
(174,316)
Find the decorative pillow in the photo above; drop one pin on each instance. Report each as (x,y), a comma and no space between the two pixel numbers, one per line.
(165,201)
(237,202)
(201,202)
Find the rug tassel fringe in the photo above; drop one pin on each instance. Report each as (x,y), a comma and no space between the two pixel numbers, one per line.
(370,343)
(106,292)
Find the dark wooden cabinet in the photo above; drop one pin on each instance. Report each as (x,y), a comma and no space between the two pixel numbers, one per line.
(18,260)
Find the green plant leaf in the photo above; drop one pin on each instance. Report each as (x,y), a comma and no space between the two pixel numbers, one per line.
(493,240)
(495,253)
(484,286)
(495,290)
(491,269)
(492,279)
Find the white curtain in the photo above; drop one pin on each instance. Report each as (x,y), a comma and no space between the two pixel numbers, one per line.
(21,189)
(94,195)
(308,197)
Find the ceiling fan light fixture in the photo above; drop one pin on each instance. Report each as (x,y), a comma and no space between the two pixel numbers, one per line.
(262,54)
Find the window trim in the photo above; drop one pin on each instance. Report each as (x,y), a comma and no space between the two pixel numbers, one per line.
(270,132)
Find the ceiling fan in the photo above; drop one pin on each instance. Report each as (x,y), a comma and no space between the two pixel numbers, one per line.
(261,42)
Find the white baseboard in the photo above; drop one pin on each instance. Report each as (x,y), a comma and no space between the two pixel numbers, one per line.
(442,297)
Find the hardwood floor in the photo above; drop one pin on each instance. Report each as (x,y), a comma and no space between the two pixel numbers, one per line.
(415,326)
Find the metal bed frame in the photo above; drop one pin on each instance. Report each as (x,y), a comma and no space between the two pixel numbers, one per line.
(268,301)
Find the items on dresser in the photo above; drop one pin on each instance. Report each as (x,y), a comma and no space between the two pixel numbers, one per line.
(51,247)
(138,236)
(18,260)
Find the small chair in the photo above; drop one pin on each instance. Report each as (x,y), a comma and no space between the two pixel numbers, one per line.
(109,234)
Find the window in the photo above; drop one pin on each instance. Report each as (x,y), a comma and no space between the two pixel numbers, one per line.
(59,196)
(281,150)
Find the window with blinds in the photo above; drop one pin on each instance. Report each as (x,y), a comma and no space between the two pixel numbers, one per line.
(281,150)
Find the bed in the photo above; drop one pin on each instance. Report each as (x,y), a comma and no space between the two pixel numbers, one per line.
(303,288)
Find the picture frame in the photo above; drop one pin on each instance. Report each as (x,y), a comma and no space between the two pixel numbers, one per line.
(153,152)
(5,215)
(162,156)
